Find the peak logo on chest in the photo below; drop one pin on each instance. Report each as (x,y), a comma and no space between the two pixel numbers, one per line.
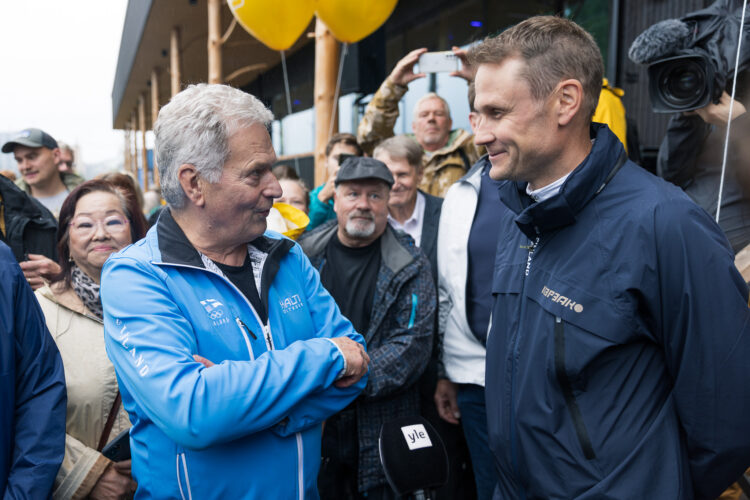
(562,300)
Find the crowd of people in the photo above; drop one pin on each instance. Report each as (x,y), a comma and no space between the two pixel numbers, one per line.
(570,325)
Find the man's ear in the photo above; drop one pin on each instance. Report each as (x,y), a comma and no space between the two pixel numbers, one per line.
(569,96)
(191,183)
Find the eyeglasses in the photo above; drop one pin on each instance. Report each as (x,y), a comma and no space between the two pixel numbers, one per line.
(85,227)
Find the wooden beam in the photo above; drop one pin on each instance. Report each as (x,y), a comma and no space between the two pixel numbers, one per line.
(245,69)
(175,68)
(214,41)
(144,152)
(154,114)
(326,69)
(229,31)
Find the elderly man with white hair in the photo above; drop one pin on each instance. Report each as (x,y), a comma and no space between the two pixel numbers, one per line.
(228,351)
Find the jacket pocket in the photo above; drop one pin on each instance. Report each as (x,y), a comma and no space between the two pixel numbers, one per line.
(567,389)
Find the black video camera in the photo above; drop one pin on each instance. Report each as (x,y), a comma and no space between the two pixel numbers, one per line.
(691,59)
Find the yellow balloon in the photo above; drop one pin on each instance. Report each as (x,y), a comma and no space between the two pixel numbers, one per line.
(276,23)
(352,20)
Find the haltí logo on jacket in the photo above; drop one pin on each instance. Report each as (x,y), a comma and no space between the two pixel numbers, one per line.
(291,303)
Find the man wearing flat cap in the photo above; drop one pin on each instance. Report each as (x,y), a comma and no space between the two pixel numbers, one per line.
(37,155)
(381,281)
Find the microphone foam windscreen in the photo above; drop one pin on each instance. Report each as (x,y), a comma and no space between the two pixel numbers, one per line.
(660,40)
(413,455)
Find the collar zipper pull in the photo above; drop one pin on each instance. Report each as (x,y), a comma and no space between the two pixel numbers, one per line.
(269,340)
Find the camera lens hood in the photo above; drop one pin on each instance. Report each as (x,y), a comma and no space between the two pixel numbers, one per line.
(681,83)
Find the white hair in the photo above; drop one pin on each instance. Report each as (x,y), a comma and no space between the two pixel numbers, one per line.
(63,146)
(194,128)
(427,97)
(401,147)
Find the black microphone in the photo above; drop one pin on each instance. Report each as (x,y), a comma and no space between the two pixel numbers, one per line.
(413,457)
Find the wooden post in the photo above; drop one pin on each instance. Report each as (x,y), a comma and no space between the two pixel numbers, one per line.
(144,152)
(126,160)
(214,41)
(134,135)
(154,114)
(326,69)
(174,60)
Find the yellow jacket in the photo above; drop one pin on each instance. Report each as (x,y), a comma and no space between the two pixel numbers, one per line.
(611,111)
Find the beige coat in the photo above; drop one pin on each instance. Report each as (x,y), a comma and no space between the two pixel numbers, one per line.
(92,388)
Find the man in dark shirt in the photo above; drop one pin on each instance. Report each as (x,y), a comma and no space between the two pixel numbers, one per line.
(381,281)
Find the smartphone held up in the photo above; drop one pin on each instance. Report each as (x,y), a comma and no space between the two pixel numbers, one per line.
(438,62)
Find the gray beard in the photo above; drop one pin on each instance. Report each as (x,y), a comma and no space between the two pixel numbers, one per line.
(360,230)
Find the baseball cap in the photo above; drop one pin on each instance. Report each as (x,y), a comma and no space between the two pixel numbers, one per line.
(355,168)
(31,138)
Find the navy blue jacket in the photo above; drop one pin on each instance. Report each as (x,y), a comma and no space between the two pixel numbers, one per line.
(32,390)
(619,353)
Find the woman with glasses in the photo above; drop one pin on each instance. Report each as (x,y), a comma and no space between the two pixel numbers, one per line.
(95,221)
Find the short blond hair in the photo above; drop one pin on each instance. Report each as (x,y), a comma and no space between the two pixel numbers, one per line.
(554,49)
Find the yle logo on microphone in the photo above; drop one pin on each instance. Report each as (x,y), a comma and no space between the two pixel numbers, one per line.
(416,436)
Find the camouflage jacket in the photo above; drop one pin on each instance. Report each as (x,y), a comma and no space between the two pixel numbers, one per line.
(442,167)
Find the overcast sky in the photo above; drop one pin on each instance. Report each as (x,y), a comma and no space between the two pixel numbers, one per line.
(58,61)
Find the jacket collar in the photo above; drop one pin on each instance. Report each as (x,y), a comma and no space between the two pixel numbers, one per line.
(474,175)
(456,139)
(584,183)
(392,252)
(175,248)
(69,180)
(66,297)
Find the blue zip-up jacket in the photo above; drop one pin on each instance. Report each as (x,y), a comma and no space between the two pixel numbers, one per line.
(248,427)
(32,391)
(619,353)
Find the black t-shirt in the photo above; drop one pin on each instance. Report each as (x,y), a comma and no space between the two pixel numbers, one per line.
(242,277)
(350,276)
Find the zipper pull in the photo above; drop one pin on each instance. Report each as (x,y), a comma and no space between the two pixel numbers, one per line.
(244,326)
(267,332)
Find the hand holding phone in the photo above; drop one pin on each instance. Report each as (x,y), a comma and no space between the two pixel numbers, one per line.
(403,73)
